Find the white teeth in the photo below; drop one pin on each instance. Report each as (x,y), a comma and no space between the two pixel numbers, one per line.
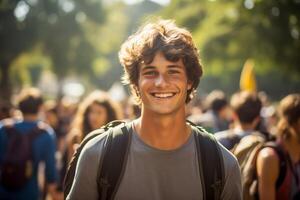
(163,95)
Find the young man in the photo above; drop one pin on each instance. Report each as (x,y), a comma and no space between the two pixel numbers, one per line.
(43,148)
(162,67)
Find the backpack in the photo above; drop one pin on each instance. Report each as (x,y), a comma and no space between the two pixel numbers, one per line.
(115,155)
(17,165)
(246,152)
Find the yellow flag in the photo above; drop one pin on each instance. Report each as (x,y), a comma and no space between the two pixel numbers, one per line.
(247,79)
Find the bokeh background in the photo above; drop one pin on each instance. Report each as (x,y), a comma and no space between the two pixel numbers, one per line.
(70,47)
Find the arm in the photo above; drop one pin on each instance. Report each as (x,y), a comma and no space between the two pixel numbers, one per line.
(85,179)
(51,174)
(267,167)
(52,190)
(233,185)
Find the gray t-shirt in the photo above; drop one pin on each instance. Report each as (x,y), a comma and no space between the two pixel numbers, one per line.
(153,174)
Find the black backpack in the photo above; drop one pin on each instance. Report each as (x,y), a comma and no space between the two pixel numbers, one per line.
(115,157)
(16,167)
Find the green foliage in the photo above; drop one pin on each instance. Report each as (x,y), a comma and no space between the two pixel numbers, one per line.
(83,37)
(229,32)
(55,25)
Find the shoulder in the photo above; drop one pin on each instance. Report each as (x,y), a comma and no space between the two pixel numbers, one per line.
(267,156)
(7,123)
(228,158)
(230,161)
(267,166)
(46,128)
(223,134)
(94,143)
(228,138)
(232,183)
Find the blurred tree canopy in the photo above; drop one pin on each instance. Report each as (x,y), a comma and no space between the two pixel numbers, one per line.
(68,37)
(82,38)
(229,32)
(56,26)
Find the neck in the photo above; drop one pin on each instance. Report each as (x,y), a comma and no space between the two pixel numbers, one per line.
(164,132)
(246,126)
(292,146)
(30,117)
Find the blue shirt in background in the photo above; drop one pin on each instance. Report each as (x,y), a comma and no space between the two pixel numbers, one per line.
(43,151)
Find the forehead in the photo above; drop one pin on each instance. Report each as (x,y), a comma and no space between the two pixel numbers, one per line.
(96,105)
(160,61)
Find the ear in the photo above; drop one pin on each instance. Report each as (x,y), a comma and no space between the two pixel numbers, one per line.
(256,121)
(189,85)
(235,116)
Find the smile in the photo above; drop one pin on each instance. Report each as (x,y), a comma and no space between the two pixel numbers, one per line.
(163,95)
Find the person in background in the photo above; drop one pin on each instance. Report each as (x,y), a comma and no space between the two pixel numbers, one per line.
(5,110)
(30,103)
(217,116)
(53,118)
(269,117)
(246,108)
(267,164)
(96,110)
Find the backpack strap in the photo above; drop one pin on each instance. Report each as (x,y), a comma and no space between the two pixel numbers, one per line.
(69,177)
(70,174)
(282,161)
(209,152)
(113,161)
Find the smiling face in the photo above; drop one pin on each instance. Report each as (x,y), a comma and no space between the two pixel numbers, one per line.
(163,86)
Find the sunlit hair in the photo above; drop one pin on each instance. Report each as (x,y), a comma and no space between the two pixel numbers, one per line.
(80,125)
(216,100)
(289,115)
(246,105)
(161,36)
(29,101)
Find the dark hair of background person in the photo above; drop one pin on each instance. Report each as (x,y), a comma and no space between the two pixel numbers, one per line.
(29,101)
(216,100)
(246,105)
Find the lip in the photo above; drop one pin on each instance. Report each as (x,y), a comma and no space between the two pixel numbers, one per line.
(163,95)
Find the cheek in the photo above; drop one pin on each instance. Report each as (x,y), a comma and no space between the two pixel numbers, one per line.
(97,117)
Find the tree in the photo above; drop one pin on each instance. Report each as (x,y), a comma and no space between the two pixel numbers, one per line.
(229,32)
(58,26)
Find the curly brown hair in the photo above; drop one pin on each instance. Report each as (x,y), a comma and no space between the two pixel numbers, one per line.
(161,36)
(81,126)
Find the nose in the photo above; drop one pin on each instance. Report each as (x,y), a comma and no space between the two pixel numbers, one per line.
(161,81)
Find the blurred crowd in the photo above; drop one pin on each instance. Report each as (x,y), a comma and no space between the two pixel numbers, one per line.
(242,113)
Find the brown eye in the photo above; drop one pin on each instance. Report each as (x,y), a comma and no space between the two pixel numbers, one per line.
(150,73)
(174,72)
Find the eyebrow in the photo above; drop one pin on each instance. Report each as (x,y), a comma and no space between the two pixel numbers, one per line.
(175,66)
(147,67)
(150,67)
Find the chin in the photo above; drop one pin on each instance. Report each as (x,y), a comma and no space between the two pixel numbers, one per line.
(165,110)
